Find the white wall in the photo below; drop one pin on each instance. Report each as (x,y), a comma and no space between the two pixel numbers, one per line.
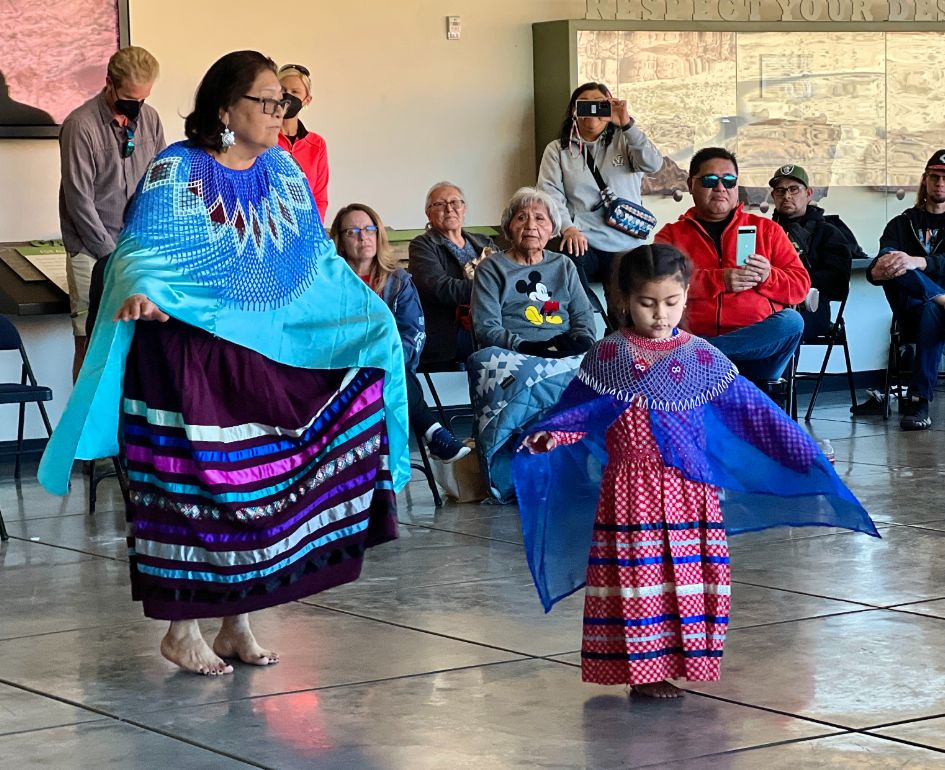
(399,105)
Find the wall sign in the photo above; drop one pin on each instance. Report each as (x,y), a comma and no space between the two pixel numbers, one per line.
(766,10)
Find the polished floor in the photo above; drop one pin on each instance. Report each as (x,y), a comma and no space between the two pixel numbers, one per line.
(440,656)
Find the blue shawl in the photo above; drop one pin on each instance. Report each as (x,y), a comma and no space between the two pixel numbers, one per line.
(241,255)
(708,421)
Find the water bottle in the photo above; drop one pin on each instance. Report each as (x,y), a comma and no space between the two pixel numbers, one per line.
(827,448)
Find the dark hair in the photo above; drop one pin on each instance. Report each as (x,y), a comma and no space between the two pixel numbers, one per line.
(565,133)
(651,262)
(710,153)
(228,78)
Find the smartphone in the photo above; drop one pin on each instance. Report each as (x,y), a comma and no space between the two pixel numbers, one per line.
(592,109)
(745,245)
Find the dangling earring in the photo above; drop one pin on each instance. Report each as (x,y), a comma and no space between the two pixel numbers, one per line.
(227,138)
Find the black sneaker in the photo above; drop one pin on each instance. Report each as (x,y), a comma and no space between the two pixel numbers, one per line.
(916,415)
(444,446)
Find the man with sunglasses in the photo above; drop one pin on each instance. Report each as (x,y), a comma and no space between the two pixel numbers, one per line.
(743,310)
(105,145)
(822,247)
(911,269)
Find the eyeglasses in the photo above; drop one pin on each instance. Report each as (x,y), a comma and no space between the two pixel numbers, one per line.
(128,147)
(456,204)
(269,106)
(780,192)
(353,232)
(711,181)
(299,67)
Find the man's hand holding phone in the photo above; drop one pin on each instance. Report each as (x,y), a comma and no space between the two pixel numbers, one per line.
(755,270)
(758,266)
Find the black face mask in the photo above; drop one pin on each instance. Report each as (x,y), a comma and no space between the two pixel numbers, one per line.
(295,105)
(130,108)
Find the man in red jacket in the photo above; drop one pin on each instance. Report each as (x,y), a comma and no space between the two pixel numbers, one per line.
(744,311)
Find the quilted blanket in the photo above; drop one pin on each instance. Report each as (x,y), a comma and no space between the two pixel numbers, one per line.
(509,391)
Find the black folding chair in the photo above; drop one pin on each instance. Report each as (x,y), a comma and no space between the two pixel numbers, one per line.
(836,334)
(117,468)
(427,369)
(426,469)
(896,371)
(26,391)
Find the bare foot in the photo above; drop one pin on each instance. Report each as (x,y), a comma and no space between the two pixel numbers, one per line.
(236,640)
(662,689)
(184,646)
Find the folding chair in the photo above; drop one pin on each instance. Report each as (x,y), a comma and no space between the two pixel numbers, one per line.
(25,391)
(426,469)
(118,471)
(427,370)
(836,334)
(895,370)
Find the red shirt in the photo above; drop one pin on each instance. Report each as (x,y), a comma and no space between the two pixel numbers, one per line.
(711,309)
(311,153)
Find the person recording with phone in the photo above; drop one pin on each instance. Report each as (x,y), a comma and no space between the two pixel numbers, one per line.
(597,131)
(307,147)
(746,273)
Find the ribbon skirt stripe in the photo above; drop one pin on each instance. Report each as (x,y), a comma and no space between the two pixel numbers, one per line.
(252,483)
(658,590)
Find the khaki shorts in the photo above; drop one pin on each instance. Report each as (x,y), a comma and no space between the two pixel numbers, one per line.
(79,277)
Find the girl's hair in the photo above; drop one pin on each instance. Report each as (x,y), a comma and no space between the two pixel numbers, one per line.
(651,262)
(385,262)
(228,78)
(567,125)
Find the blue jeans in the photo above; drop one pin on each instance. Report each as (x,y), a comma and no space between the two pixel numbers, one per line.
(762,351)
(910,297)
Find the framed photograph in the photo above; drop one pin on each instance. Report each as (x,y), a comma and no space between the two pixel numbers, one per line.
(53,57)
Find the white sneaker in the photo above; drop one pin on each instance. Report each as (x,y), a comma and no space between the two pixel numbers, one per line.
(813,300)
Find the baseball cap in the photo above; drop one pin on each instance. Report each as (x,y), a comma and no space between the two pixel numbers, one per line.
(937,161)
(791,171)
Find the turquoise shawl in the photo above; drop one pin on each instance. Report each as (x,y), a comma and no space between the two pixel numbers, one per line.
(243,256)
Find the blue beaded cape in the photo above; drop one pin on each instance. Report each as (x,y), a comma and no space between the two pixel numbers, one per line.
(242,255)
(708,421)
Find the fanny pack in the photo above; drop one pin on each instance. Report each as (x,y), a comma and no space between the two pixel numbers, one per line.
(619,213)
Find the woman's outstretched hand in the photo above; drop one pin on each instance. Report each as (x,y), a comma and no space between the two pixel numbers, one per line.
(540,442)
(139,308)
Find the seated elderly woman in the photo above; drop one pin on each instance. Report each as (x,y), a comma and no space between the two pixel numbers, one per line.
(532,322)
(442,264)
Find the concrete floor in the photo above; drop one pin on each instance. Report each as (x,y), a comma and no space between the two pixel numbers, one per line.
(440,656)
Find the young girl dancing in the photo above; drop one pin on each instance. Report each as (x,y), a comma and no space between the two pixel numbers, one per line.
(676,430)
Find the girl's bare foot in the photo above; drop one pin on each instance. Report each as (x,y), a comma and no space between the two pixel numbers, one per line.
(662,689)
(184,646)
(236,640)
